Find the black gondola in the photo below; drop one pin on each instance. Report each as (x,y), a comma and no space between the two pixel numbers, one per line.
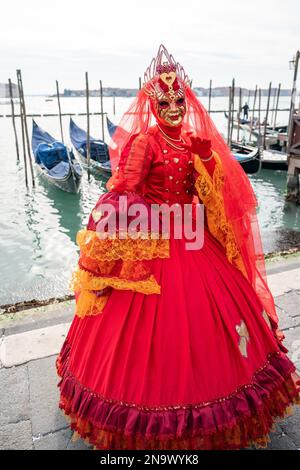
(54,162)
(99,155)
(111,127)
(248,157)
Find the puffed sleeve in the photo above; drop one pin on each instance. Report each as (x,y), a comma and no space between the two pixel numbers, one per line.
(134,166)
(120,259)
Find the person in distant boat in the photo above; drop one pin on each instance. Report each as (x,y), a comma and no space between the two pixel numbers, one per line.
(245,110)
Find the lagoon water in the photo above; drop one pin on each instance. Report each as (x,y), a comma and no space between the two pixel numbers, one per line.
(38,226)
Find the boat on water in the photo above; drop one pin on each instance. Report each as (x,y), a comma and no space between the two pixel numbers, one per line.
(272,133)
(99,155)
(271,159)
(111,127)
(248,157)
(274,160)
(247,123)
(54,162)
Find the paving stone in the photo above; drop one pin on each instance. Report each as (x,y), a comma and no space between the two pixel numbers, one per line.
(44,396)
(292,343)
(289,303)
(33,344)
(281,442)
(60,440)
(291,426)
(16,436)
(79,444)
(277,286)
(14,395)
(54,441)
(285,320)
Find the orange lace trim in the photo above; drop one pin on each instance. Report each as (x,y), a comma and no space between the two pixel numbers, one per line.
(86,284)
(109,249)
(88,303)
(83,280)
(209,191)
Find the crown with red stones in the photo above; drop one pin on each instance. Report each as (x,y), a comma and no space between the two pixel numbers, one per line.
(165,75)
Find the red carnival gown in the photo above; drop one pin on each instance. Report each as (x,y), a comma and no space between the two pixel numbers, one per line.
(194,366)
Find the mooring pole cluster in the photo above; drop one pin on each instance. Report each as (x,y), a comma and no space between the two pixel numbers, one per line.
(13,118)
(25,134)
(59,112)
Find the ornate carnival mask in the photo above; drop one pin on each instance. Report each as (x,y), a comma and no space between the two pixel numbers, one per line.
(165,82)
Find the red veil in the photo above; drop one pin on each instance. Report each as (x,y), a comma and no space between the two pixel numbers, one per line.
(239,198)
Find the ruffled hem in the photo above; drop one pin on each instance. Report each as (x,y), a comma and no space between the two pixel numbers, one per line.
(243,418)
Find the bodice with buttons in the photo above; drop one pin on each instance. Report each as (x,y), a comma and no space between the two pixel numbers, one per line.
(171,174)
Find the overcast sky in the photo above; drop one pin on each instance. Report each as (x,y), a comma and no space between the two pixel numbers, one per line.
(115,40)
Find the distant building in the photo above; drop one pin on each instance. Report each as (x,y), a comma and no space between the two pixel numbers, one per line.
(121,92)
(200,91)
(4,90)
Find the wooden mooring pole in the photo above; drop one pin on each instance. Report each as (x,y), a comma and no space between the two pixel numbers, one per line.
(293,97)
(23,107)
(239,114)
(277,104)
(101,109)
(267,115)
(229,116)
(23,134)
(232,111)
(273,106)
(114,105)
(209,96)
(249,94)
(13,117)
(259,118)
(59,112)
(252,119)
(88,144)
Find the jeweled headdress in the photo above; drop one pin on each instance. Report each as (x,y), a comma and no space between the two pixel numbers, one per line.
(165,76)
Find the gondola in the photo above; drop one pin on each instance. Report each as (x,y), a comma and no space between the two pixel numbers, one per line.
(274,160)
(248,157)
(54,162)
(272,134)
(111,127)
(99,155)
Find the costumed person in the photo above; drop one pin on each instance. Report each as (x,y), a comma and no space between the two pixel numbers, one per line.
(174,348)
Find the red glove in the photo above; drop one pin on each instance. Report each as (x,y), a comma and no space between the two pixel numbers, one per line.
(201,147)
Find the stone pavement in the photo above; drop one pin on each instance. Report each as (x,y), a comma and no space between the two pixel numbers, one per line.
(30,340)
